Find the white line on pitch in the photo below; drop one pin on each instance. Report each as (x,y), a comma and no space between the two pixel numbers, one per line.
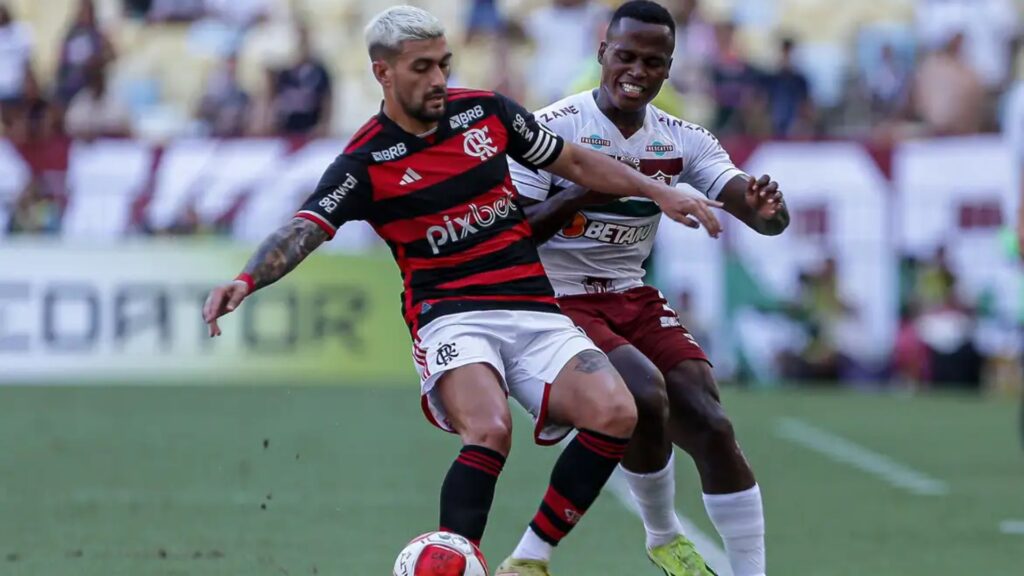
(706,545)
(847,452)
(1015,527)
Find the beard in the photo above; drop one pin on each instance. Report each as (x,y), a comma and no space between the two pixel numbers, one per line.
(422,112)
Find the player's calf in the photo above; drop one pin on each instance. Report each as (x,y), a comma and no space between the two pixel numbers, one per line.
(476,407)
(650,447)
(732,497)
(700,425)
(589,394)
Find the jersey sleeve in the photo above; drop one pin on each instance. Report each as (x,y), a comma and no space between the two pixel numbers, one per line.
(535,184)
(530,143)
(709,167)
(342,195)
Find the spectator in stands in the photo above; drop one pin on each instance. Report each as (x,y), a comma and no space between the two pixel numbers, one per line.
(887,86)
(484,19)
(137,9)
(735,84)
(239,13)
(173,10)
(695,48)
(989,28)
(17,83)
(789,95)
(36,211)
(96,111)
(948,94)
(563,35)
(301,98)
(821,310)
(225,106)
(85,47)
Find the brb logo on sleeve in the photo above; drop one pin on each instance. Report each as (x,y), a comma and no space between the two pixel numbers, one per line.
(478,143)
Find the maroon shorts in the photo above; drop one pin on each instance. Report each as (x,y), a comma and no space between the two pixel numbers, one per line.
(641,317)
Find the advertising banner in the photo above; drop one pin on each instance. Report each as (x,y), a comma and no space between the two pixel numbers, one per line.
(132,313)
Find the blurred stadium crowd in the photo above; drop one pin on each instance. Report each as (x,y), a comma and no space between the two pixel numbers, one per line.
(781,69)
(875,72)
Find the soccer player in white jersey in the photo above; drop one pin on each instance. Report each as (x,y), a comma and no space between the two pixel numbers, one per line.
(594,256)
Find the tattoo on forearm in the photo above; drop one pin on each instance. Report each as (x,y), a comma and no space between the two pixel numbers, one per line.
(280,253)
(591,361)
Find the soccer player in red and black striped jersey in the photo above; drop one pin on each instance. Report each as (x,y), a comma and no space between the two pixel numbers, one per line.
(430,174)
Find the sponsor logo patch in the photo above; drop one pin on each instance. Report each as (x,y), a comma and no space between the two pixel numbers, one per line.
(393,153)
(595,141)
(659,149)
(476,219)
(464,119)
(331,201)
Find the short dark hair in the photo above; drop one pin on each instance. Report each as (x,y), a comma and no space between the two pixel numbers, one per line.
(643,11)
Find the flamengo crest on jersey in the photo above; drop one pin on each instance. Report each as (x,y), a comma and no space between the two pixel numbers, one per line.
(446,206)
(603,247)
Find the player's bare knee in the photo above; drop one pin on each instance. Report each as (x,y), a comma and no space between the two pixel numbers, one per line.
(617,415)
(719,427)
(494,432)
(651,400)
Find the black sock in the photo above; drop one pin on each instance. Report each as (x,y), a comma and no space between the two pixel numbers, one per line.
(576,481)
(468,491)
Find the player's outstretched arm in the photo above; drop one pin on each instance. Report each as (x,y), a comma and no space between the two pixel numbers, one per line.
(549,216)
(757,203)
(278,255)
(596,171)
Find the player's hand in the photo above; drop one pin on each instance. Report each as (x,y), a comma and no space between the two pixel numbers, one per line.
(690,210)
(764,197)
(223,299)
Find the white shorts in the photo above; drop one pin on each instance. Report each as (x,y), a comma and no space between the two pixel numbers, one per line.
(528,349)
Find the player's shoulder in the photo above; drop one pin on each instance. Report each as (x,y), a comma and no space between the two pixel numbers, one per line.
(679,129)
(363,141)
(466,105)
(566,112)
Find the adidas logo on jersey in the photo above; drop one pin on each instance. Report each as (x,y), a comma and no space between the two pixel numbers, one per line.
(410,177)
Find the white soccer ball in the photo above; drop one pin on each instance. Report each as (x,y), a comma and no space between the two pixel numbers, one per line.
(440,554)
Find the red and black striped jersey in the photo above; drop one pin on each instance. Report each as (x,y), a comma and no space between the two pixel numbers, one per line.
(446,205)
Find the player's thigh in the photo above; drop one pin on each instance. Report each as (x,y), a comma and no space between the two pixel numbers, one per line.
(475,403)
(587,314)
(644,380)
(589,393)
(655,330)
(563,380)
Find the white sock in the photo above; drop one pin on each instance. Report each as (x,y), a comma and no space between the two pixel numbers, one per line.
(739,519)
(655,495)
(531,547)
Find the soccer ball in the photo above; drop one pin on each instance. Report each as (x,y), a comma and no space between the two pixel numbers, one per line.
(440,554)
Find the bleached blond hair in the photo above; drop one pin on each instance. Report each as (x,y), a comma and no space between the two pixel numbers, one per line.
(387,30)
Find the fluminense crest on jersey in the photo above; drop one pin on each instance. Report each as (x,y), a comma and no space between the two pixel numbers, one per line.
(611,241)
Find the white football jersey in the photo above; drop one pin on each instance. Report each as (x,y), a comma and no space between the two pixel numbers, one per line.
(604,247)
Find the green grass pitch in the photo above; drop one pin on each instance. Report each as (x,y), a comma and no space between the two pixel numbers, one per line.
(304,480)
